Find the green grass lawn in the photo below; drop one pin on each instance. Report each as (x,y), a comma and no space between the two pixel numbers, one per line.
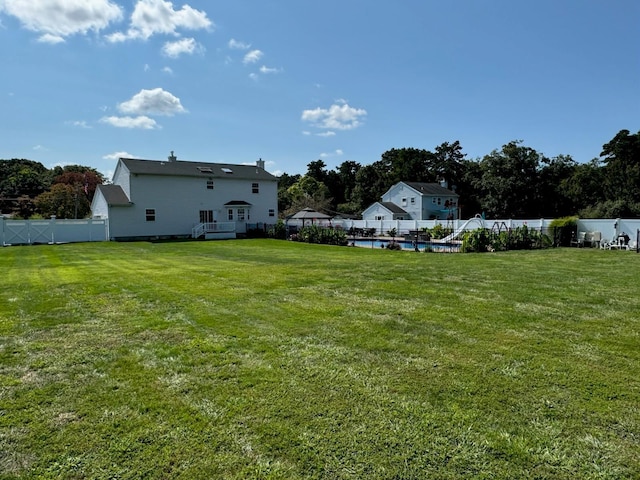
(273,359)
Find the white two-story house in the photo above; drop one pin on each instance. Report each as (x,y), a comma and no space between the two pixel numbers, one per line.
(175,198)
(415,201)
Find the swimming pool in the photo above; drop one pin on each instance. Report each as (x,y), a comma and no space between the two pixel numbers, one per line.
(405,245)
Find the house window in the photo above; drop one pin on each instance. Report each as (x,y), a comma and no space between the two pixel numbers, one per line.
(433,200)
(272,212)
(379,217)
(210,184)
(439,201)
(255,188)
(150,213)
(404,201)
(230,214)
(206,216)
(241,214)
(413,200)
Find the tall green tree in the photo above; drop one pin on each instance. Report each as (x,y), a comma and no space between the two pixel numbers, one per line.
(508,181)
(346,173)
(371,182)
(554,194)
(23,177)
(621,157)
(63,201)
(308,192)
(448,163)
(284,199)
(407,165)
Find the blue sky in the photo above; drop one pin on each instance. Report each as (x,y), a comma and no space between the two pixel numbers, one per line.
(293,81)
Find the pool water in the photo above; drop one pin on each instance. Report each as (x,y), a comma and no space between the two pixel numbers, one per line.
(405,245)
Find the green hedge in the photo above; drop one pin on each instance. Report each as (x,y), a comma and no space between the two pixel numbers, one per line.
(520,238)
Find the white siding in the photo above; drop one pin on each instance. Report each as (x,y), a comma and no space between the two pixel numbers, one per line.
(122,177)
(177,202)
(99,207)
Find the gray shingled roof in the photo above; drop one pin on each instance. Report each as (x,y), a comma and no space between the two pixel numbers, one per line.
(114,195)
(431,189)
(392,207)
(196,169)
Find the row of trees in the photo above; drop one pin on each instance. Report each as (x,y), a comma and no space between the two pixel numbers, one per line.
(27,189)
(513,182)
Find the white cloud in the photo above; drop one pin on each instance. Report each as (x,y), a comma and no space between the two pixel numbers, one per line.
(337,153)
(141,121)
(80,124)
(329,133)
(168,70)
(152,102)
(266,70)
(152,17)
(184,45)
(117,155)
(57,19)
(237,45)
(51,39)
(252,57)
(338,117)
(40,148)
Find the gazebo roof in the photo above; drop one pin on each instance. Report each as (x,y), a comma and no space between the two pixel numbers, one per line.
(310,213)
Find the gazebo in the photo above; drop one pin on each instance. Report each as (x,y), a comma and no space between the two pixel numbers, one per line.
(309,214)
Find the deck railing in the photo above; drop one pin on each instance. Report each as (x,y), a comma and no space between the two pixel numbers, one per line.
(212,227)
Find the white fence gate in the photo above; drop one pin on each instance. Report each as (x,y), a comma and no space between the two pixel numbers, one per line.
(30,232)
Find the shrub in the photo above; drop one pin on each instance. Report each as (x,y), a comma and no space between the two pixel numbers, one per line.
(323,235)
(278,230)
(437,232)
(394,246)
(563,229)
(519,238)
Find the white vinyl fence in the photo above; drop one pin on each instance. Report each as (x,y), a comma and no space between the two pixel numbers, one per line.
(52,231)
(404,227)
(610,228)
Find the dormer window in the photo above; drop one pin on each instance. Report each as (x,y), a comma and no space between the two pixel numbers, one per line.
(205,169)
(226,170)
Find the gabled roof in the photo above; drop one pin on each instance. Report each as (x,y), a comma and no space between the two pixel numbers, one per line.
(430,189)
(237,203)
(392,207)
(196,169)
(114,195)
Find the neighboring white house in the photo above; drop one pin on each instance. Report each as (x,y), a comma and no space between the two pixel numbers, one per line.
(175,198)
(415,201)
